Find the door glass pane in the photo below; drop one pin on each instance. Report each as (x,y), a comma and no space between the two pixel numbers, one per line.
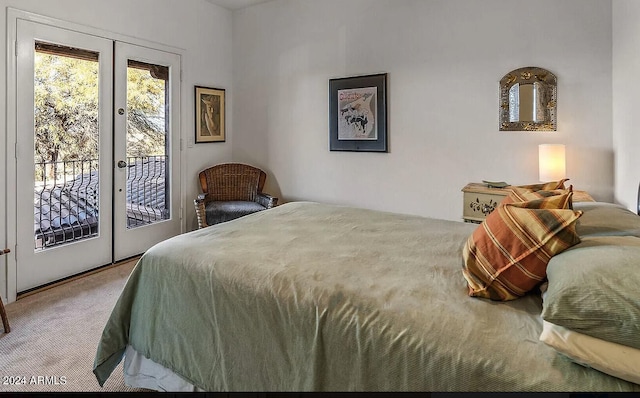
(147,154)
(66,142)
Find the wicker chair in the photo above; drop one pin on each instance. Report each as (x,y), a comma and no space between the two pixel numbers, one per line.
(231,190)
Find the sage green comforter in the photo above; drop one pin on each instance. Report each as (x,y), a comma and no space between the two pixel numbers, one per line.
(308,296)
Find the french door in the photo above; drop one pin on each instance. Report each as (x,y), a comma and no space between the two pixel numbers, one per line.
(97,151)
(147,173)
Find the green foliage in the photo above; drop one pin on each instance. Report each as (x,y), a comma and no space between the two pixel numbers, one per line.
(145,114)
(66,110)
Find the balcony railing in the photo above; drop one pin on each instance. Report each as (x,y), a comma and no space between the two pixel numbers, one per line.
(66,198)
(147,190)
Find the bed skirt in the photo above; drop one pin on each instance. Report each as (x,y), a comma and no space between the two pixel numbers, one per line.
(142,372)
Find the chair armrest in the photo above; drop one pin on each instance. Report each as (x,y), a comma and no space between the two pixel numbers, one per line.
(267,200)
(201,214)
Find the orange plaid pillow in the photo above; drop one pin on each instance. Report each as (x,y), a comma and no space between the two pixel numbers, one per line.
(545,186)
(507,255)
(563,198)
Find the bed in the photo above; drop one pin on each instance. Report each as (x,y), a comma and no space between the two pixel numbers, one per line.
(316,297)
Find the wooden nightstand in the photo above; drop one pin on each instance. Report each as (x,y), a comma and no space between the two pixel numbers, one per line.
(480,200)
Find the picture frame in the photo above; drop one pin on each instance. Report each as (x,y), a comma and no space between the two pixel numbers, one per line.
(358,113)
(209,114)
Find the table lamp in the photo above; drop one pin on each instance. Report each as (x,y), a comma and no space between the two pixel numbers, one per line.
(551,162)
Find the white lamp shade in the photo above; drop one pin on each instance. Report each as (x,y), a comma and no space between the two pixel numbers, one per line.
(551,162)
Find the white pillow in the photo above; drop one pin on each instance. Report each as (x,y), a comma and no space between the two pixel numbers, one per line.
(615,359)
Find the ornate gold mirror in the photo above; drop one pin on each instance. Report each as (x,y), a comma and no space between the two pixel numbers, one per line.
(528,100)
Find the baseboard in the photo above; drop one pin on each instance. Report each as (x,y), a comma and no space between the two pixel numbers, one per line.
(75,277)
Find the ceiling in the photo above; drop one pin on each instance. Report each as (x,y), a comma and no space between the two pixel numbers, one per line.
(236,4)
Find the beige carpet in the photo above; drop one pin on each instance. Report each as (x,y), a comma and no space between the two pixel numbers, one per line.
(54,335)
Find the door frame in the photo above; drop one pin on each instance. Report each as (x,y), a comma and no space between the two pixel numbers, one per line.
(8,286)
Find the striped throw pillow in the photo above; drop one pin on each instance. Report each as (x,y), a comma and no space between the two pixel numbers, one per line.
(507,255)
(545,186)
(558,198)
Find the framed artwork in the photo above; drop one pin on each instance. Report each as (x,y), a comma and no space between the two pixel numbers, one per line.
(209,115)
(358,113)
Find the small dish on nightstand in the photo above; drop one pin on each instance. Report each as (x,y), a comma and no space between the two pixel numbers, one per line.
(495,184)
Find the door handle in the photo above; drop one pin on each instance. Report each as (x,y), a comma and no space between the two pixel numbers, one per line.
(122,164)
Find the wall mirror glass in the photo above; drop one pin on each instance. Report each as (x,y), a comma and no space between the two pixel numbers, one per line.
(528,100)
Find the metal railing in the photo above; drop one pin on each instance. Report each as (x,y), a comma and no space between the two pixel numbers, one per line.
(66,198)
(147,190)
(65,201)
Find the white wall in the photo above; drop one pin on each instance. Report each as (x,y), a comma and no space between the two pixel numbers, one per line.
(626,135)
(444,59)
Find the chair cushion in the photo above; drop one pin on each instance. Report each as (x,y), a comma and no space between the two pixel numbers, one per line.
(219,211)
